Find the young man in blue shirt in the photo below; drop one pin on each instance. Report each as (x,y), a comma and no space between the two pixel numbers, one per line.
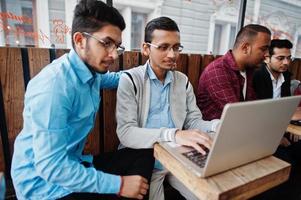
(61,103)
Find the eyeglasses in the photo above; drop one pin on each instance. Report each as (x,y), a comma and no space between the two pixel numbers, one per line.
(109,46)
(166,48)
(282,58)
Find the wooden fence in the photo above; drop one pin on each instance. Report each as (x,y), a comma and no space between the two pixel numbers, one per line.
(19,65)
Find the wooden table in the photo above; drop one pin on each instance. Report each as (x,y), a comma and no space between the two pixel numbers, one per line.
(239,183)
(293,128)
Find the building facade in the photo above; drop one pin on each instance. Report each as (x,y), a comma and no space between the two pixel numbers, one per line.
(207,26)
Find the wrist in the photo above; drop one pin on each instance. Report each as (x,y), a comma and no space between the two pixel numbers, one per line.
(175,135)
(121,186)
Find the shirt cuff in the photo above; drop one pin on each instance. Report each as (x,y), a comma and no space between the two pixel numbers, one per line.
(169,135)
(113,183)
(215,125)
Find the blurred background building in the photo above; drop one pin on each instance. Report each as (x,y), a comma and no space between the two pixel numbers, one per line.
(207,26)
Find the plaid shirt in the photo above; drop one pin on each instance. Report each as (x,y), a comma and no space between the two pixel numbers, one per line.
(221,83)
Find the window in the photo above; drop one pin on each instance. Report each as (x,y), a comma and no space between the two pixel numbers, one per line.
(137,32)
(38,23)
(232,36)
(224,35)
(57,25)
(282,17)
(206,26)
(17,24)
(222,29)
(27,28)
(298,47)
(217,40)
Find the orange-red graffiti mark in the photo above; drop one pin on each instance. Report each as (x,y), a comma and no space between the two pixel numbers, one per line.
(43,36)
(12,16)
(19,31)
(60,30)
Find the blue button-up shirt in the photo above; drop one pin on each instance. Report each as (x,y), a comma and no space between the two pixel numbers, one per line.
(159,114)
(159,111)
(61,103)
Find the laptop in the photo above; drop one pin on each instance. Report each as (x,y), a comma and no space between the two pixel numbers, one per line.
(248,131)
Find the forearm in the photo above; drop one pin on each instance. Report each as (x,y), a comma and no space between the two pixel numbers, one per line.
(134,137)
(202,125)
(110,80)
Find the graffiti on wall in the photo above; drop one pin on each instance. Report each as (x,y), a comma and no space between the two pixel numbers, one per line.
(60,29)
(16,27)
(279,24)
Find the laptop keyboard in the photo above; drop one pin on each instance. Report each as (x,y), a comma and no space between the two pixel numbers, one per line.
(196,157)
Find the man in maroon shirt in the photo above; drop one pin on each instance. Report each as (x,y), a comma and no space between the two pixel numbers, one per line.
(229,78)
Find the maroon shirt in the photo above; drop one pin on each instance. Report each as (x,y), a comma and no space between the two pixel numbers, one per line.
(221,83)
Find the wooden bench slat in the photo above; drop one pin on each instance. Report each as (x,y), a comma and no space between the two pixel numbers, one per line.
(207,59)
(38,59)
(92,145)
(60,52)
(295,69)
(143,59)
(182,63)
(12,81)
(194,69)
(109,123)
(130,59)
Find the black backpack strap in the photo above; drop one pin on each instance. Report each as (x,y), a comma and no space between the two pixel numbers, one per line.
(187,84)
(135,88)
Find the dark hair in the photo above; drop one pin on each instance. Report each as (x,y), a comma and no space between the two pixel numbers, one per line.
(160,23)
(277,43)
(249,32)
(92,15)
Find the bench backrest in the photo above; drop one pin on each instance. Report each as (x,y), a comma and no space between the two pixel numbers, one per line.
(19,65)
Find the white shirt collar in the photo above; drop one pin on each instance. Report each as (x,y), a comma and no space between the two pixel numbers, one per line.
(276,84)
(280,79)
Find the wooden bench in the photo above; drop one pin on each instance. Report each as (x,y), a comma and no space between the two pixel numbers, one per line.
(19,65)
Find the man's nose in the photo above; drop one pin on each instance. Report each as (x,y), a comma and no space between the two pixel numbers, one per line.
(171,53)
(114,54)
(286,61)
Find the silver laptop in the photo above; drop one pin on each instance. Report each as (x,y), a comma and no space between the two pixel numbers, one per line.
(248,131)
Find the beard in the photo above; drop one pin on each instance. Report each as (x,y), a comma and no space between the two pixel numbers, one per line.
(88,58)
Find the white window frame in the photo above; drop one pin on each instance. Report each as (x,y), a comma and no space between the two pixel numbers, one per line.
(219,18)
(225,36)
(126,8)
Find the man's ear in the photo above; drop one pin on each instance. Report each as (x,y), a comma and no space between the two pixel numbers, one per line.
(79,40)
(267,59)
(246,48)
(145,49)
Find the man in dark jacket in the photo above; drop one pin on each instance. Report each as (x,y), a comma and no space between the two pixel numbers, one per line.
(272,79)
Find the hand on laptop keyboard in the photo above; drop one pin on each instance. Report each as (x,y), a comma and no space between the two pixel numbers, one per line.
(194,138)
